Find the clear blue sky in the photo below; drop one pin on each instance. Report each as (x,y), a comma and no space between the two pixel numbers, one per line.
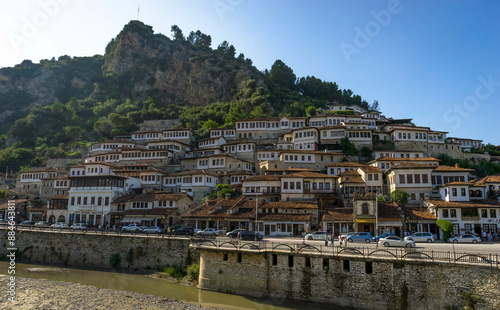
(434,61)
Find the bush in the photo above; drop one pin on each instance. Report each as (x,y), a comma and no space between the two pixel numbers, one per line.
(447,228)
(114,260)
(174,271)
(193,272)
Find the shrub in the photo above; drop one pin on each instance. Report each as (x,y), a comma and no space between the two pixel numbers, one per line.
(447,228)
(174,271)
(114,260)
(193,272)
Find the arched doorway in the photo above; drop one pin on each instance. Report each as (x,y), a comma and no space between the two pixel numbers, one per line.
(61,219)
(52,219)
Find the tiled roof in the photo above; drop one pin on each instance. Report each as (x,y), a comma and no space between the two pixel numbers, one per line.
(308,175)
(410,166)
(371,169)
(311,152)
(339,215)
(38,209)
(352,173)
(264,177)
(95,163)
(405,159)
(166,141)
(193,173)
(288,205)
(452,169)
(455,184)
(332,127)
(417,213)
(63,177)
(219,208)
(347,164)
(465,204)
(353,180)
(293,170)
(284,217)
(388,211)
(60,197)
(239,142)
(5,205)
(154,211)
(490,179)
(154,196)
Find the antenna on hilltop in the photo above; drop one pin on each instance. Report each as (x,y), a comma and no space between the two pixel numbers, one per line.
(138,7)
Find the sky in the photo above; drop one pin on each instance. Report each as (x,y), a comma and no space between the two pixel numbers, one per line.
(433,61)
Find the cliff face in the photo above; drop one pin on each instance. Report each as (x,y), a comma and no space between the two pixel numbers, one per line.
(137,64)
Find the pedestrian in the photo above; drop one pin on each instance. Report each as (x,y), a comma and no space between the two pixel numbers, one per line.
(489,236)
(168,230)
(495,235)
(304,240)
(484,235)
(326,239)
(340,240)
(331,239)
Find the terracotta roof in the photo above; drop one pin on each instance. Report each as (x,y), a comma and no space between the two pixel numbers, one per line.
(388,211)
(339,215)
(264,177)
(193,173)
(166,141)
(410,166)
(353,180)
(293,170)
(332,127)
(311,152)
(417,213)
(37,209)
(490,179)
(352,173)
(452,169)
(371,169)
(154,196)
(219,208)
(284,217)
(95,163)
(60,197)
(288,205)
(466,204)
(404,159)
(239,142)
(64,177)
(455,184)
(346,164)
(154,211)
(309,175)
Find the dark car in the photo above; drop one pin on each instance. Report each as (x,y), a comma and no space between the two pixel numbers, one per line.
(249,235)
(234,233)
(188,231)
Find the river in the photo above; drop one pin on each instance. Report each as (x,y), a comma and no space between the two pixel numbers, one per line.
(154,286)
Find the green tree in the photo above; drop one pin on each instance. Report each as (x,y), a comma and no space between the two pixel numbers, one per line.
(347,146)
(74,132)
(447,228)
(177,33)
(74,106)
(365,151)
(311,111)
(400,197)
(282,75)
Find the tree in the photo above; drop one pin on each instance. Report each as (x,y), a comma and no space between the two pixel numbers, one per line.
(221,190)
(447,228)
(282,75)
(73,106)
(74,132)
(199,39)
(311,111)
(177,33)
(366,151)
(347,146)
(374,106)
(400,197)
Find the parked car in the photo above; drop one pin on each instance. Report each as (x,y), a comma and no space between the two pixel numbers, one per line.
(421,237)
(382,236)
(396,241)
(249,235)
(59,225)
(132,227)
(27,223)
(345,235)
(153,230)
(465,239)
(234,233)
(78,226)
(188,231)
(42,223)
(209,232)
(359,237)
(318,235)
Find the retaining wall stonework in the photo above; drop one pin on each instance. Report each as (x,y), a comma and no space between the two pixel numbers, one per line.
(391,284)
(94,251)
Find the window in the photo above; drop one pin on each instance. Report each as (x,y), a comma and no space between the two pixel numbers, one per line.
(370,177)
(285,185)
(402,179)
(376,176)
(409,178)
(364,208)
(454,192)
(292,185)
(347,266)
(493,213)
(290,261)
(462,192)
(425,178)
(446,213)
(417,178)
(368,267)
(453,213)
(298,185)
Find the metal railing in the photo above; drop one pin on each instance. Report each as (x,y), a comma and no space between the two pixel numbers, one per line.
(397,254)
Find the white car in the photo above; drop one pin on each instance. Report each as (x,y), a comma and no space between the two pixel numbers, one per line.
(59,225)
(209,232)
(465,239)
(421,237)
(78,226)
(133,227)
(396,241)
(319,235)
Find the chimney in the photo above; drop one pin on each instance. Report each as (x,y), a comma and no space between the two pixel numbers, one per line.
(457,165)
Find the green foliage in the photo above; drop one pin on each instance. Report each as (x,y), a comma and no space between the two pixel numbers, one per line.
(4,193)
(175,272)
(400,197)
(221,190)
(130,256)
(114,260)
(193,272)
(447,228)
(365,151)
(347,146)
(470,300)
(282,75)
(482,167)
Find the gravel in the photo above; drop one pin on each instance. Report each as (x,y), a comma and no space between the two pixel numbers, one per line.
(36,294)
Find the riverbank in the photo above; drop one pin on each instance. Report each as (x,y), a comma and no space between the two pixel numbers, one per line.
(45,294)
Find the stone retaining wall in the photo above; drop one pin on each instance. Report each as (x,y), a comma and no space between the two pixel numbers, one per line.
(350,281)
(95,251)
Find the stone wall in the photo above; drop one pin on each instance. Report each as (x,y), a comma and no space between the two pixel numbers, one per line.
(94,251)
(389,284)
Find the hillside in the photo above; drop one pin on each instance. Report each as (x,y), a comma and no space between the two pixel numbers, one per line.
(54,105)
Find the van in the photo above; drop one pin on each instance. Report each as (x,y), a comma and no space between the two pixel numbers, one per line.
(421,237)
